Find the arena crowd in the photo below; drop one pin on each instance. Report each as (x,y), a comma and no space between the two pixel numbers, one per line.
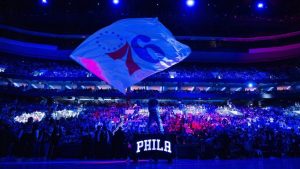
(106,129)
(43,69)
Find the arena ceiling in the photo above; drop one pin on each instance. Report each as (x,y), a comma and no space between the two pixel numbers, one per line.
(204,18)
(216,30)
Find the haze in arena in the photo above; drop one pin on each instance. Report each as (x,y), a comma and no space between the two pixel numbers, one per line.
(149,84)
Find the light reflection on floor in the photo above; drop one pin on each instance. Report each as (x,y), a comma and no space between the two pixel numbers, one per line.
(292,163)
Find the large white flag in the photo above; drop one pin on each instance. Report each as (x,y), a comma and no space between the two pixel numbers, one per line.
(130,50)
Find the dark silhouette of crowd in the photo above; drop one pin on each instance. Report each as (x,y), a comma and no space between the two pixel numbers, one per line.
(105,130)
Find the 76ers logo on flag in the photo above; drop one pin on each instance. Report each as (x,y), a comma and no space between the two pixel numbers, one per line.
(126,50)
(130,50)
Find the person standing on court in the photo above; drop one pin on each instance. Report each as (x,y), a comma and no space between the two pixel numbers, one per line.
(154,115)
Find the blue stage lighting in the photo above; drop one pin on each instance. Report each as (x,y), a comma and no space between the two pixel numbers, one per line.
(250,85)
(44,1)
(116,2)
(190,3)
(260,5)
